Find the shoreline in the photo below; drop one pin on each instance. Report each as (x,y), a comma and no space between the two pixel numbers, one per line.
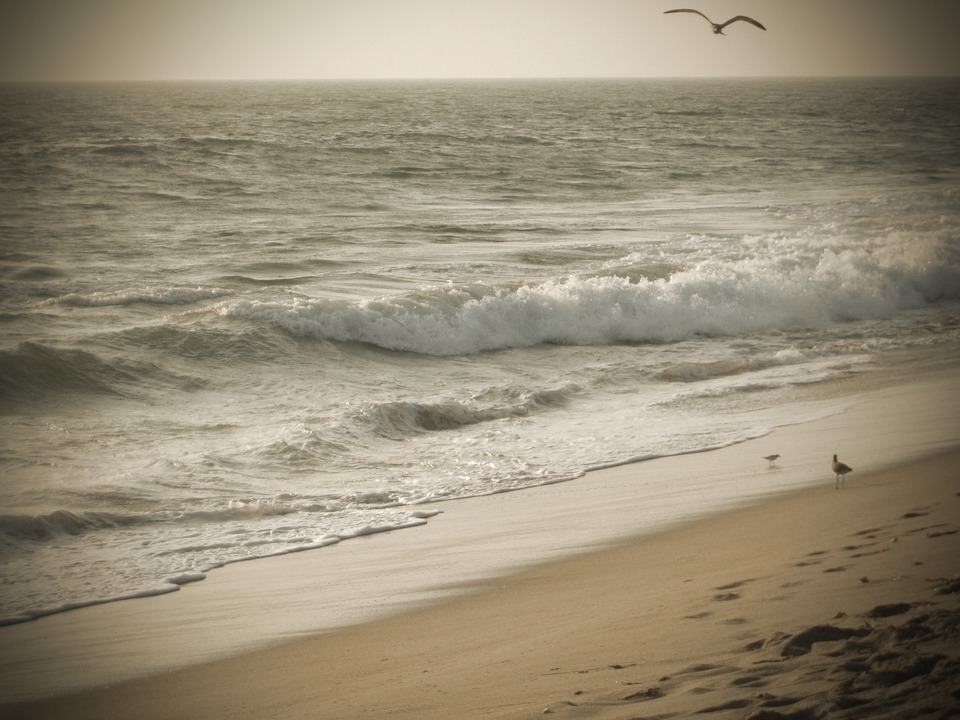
(690,621)
(264,607)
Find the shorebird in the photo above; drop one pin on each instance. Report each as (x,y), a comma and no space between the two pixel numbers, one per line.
(718,27)
(840,470)
(770,458)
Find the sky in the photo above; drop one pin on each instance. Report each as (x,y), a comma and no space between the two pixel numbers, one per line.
(92,40)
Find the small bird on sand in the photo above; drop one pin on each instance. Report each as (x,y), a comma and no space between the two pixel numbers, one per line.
(718,27)
(770,458)
(840,470)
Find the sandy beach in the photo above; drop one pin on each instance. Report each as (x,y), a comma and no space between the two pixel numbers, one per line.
(812,603)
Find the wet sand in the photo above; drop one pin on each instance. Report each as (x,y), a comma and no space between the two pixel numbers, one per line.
(826,603)
(815,603)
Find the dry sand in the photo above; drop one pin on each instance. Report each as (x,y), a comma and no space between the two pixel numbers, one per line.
(824,603)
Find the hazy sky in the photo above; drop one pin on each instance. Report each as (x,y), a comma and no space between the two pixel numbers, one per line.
(280,39)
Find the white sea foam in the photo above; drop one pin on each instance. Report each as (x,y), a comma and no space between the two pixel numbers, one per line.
(713,297)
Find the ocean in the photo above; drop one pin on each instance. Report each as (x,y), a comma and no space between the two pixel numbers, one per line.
(254,318)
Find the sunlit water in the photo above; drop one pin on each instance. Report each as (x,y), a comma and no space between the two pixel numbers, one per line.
(248,319)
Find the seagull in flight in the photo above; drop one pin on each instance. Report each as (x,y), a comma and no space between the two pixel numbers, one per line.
(718,27)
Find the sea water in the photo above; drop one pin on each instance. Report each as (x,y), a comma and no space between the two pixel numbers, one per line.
(247,319)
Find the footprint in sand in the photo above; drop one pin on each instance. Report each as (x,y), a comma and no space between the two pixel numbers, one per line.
(926,529)
(851,548)
(650,693)
(737,704)
(707,670)
(749,681)
(727,596)
(947,586)
(871,552)
(813,561)
(870,533)
(803,642)
(889,610)
(734,585)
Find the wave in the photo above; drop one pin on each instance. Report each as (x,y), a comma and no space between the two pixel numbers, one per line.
(32,370)
(766,292)
(267,282)
(312,448)
(60,523)
(19,534)
(36,273)
(219,143)
(200,340)
(399,418)
(694,372)
(158,295)
(31,367)
(711,112)
(126,149)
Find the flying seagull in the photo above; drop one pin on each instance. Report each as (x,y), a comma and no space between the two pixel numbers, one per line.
(718,27)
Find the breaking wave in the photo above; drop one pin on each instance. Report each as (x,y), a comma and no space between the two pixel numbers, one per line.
(714,298)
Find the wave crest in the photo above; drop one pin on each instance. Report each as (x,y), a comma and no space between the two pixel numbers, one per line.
(716,297)
(159,295)
(31,370)
(59,523)
(400,418)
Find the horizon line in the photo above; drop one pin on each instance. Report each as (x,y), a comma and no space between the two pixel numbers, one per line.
(492,78)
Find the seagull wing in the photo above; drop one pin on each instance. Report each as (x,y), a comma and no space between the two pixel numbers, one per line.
(738,17)
(667,12)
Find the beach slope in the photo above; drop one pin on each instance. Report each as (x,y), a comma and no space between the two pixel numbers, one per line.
(822,603)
